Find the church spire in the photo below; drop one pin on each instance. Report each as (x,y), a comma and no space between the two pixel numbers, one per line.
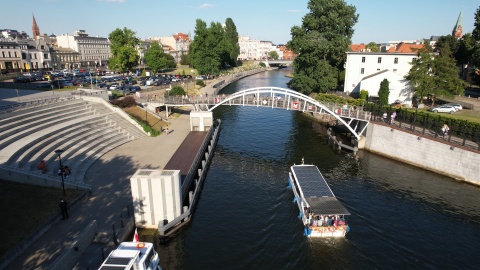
(457,30)
(35,29)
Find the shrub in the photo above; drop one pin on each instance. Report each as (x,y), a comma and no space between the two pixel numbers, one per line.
(201,83)
(364,94)
(124,102)
(177,90)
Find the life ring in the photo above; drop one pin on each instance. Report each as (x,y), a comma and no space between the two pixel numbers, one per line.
(141,245)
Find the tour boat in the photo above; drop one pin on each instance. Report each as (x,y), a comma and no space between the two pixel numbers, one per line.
(132,256)
(321,213)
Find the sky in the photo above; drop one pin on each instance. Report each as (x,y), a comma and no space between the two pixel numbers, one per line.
(379,21)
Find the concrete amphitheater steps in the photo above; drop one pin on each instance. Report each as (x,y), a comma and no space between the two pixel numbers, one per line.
(15,140)
(84,130)
(26,112)
(38,116)
(39,123)
(71,143)
(25,153)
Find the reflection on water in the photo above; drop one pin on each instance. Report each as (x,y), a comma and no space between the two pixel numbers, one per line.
(402,217)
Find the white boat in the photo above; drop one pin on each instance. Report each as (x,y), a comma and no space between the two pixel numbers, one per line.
(321,213)
(132,256)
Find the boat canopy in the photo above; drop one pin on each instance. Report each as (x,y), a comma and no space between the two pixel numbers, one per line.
(326,206)
(316,191)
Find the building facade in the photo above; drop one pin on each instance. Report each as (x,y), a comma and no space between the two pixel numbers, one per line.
(361,67)
(10,56)
(257,49)
(65,58)
(94,51)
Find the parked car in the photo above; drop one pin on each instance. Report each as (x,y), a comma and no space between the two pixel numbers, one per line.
(457,106)
(21,80)
(134,88)
(43,85)
(443,109)
(114,87)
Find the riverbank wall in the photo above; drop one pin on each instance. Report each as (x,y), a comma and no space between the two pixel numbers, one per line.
(423,152)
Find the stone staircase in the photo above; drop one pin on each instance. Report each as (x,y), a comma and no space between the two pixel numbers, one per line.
(84,130)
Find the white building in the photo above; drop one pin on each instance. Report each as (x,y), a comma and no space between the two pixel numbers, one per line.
(256,49)
(176,45)
(10,55)
(365,71)
(94,51)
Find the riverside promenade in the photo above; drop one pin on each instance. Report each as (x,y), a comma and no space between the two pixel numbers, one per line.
(109,178)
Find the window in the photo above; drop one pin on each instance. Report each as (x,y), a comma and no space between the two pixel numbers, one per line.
(394,70)
(9,54)
(378,69)
(414,60)
(15,54)
(45,56)
(363,59)
(3,54)
(379,60)
(395,61)
(362,71)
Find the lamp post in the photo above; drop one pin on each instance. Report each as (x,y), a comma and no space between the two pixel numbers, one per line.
(59,152)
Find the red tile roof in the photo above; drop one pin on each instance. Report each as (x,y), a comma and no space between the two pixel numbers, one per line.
(357,47)
(406,48)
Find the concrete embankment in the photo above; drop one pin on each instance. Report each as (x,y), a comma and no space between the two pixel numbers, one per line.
(419,151)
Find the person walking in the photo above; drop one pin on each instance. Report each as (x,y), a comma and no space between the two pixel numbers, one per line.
(445,130)
(63,208)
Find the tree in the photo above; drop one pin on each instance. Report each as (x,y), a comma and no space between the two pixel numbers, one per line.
(445,43)
(157,60)
(476,48)
(373,47)
(231,35)
(214,47)
(185,59)
(383,92)
(320,44)
(124,54)
(273,55)
(434,74)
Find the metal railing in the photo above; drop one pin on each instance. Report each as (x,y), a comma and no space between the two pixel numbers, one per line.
(464,133)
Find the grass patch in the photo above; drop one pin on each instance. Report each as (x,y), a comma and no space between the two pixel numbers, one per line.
(152,120)
(25,208)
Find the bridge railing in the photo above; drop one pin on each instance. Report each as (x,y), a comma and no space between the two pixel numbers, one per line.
(269,101)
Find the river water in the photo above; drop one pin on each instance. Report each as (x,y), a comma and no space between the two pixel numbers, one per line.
(403,217)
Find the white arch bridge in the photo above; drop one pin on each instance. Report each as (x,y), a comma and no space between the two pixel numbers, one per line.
(354,120)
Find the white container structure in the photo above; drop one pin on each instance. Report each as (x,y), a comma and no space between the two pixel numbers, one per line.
(157,197)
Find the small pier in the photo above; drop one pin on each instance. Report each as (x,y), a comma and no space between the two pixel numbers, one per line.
(165,199)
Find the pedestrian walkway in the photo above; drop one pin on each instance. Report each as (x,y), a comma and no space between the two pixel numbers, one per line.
(109,178)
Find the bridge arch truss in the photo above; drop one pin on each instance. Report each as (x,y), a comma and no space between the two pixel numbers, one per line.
(276,97)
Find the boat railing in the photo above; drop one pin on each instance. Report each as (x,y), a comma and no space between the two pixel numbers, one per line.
(328,229)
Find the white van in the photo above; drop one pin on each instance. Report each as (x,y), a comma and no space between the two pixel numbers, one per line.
(132,256)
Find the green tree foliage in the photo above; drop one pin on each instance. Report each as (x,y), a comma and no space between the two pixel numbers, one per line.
(177,90)
(124,54)
(373,47)
(200,83)
(448,44)
(157,60)
(363,94)
(435,75)
(231,35)
(476,48)
(214,47)
(273,55)
(320,44)
(384,92)
(185,59)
